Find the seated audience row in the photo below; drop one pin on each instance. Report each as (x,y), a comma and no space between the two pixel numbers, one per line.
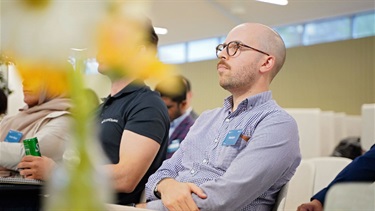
(236,157)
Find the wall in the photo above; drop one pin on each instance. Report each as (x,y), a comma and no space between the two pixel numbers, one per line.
(338,76)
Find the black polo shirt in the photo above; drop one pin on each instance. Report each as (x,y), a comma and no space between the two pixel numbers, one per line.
(138,109)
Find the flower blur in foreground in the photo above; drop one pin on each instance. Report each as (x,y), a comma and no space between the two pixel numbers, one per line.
(124,48)
(51,78)
(40,38)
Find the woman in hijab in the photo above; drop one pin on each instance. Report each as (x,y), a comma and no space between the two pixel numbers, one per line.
(3,104)
(45,116)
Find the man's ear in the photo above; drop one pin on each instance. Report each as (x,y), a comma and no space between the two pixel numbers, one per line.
(268,64)
(183,104)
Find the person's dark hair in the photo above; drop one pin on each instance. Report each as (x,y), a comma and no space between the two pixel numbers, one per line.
(3,102)
(187,83)
(174,88)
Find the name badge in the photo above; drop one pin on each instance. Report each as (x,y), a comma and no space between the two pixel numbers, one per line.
(232,137)
(13,136)
(173,147)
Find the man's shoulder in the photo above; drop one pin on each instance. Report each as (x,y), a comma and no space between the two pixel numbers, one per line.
(148,98)
(271,108)
(211,112)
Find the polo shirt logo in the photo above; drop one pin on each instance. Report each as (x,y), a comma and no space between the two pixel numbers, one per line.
(109,120)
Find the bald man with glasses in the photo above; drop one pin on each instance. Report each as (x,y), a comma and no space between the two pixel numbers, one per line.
(237,157)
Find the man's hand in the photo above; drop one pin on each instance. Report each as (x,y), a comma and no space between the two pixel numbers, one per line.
(141,205)
(314,205)
(34,167)
(177,195)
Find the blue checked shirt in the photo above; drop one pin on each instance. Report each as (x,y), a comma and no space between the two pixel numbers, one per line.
(243,176)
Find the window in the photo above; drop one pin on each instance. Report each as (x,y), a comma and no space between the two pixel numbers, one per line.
(91,66)
(292,35)
(327,31)
(173,54)
(364,25)
(202,49)
(314,32)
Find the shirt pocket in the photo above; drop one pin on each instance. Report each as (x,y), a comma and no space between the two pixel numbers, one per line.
(226,154)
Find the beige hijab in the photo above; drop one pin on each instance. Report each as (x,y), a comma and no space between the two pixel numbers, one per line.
(27,118)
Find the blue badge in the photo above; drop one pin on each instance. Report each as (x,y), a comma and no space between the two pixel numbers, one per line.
(173,147)
(13,136)
(232,137)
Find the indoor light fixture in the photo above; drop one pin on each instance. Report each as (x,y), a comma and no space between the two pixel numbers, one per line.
(159,30)
(278,2)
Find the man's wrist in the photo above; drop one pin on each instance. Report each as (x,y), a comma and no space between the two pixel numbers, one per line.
(156,191)
(157,188)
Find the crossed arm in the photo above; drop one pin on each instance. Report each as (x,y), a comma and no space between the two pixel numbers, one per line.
(270,158)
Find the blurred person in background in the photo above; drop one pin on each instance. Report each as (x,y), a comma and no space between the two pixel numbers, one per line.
(3,104)
(173,91)
(45,116)
(189,96)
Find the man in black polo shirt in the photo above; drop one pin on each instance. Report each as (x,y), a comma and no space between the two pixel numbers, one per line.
(134,126)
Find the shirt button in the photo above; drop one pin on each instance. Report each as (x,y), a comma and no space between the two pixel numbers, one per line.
(192,171)
(227,120)
(216,140)
(205,161)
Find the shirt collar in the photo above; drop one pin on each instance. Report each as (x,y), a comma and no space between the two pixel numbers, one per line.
(179,119)
(249,102)
(132,87)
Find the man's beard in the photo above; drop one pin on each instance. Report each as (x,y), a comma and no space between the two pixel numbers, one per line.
(242,78)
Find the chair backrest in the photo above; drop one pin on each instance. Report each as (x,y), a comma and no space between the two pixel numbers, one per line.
(326,169)
(143,196)
(311,176)
(368,126)
(308,121)
(351,196)
(281,197)
(301,186)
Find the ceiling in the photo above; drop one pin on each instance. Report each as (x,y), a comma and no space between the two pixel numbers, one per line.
(196,19)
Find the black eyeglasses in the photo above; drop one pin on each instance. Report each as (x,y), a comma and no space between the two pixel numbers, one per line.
(232,48)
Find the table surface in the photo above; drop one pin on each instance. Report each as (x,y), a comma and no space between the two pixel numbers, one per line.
(116,207)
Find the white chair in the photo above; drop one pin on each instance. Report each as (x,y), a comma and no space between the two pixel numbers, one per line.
(327,133)
(340,128)
(368,126)
(311,176)
(281,197)
(351,196)
(301,186)
(326,169)
(308,121)
(143,196)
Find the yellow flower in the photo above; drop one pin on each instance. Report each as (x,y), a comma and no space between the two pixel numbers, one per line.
(123,48)
(43,75)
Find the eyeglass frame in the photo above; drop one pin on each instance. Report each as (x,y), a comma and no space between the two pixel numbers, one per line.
(239,44)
